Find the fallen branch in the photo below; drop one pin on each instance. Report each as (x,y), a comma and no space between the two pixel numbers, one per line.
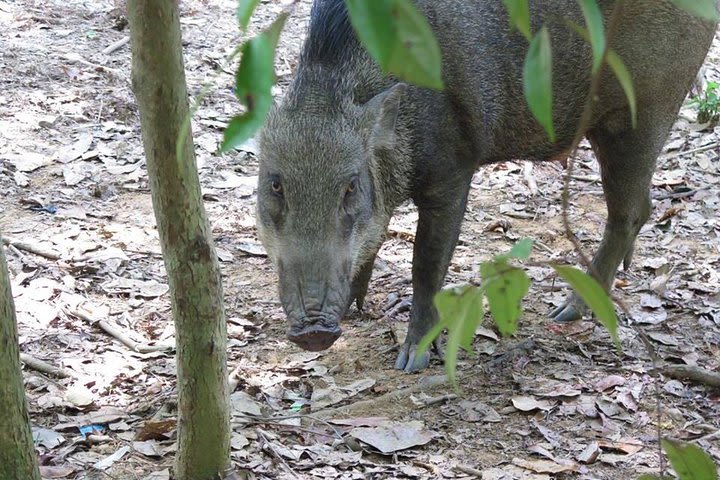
(676,195)
(690,152)
(114,331)
(116,46)
(34,249)
(696,374)
(469,470)
(44,367)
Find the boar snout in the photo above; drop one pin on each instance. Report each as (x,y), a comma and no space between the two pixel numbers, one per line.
(315,334)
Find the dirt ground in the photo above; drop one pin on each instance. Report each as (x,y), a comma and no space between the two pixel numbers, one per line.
(555,402)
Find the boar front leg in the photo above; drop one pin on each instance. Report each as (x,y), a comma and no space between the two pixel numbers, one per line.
(437,234)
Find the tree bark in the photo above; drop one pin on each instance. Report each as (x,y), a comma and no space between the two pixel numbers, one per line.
(158,79)
(17,452)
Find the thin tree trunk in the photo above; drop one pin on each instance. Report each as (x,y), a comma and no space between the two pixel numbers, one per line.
(158,79)
(17,452)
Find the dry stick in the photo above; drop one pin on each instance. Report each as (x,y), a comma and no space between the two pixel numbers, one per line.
(469,470)
(690,152)
(529,179)
(115,332)
(274,452)
(696,374)
(116,46)
(676,195)
(34,249)
(44,367)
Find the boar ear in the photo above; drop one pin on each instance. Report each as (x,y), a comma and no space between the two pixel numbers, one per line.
(381,114)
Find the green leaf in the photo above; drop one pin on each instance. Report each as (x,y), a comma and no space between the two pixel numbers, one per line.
(399,38)
(521,250)
(690,461)
(537,80)
(653,477)
(623,76)
(244,11)
(253,85)
(519,13)
(460,311)
(701,8)
(505,287)
(594,21)
(594,297)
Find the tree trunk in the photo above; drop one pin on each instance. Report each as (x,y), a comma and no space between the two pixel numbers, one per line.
(158,79)
(17,452)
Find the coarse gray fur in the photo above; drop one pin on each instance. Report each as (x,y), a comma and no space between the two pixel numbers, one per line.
(348,144)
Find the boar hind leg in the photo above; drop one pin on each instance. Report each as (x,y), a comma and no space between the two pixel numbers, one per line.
(437,234)
(627,161)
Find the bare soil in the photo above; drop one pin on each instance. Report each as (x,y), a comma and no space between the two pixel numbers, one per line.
(554,402)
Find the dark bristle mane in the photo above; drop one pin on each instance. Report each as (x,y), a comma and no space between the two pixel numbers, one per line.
(331,37)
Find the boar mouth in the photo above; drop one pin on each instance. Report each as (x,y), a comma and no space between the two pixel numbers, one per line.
(315,334)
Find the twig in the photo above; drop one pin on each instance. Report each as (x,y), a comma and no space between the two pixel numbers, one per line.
(116,46)
(690,152)
(44,367)
(114,331)
(529,179)
(441,399)
(274,452)
(689,193)
(696,374)
(710,436)
(469,470)
(34,249)
(586,178)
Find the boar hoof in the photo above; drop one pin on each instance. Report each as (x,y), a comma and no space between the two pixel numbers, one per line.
(409,361)
(569,311)
(315,339)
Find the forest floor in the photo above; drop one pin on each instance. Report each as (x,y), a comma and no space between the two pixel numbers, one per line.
(553,402)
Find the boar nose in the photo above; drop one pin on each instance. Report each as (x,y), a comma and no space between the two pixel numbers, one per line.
(314,335)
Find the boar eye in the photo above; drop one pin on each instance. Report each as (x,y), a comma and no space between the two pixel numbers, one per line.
(276,187)
(352,187)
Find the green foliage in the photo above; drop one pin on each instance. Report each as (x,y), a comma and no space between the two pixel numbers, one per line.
(594,296)
(519,15)
(505,286)
(689,461)
(461,312)
(707,104)
(623,76)
(594,21)
(244,11)
(700,8)
(537,80)
(399,38)
(253,84)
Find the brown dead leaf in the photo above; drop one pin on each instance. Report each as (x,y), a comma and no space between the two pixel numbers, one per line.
(50,471)
(609,382)
(590,453)
(529,404)
(545,466)
(395,436)
(157,429)
(624,445)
